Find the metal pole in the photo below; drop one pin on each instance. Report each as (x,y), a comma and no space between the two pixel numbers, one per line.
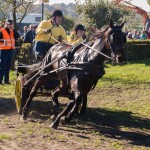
(42,10)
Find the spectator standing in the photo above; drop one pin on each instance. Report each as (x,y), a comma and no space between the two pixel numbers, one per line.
(7,45)
(135,34)
(46,32)
(147,24)
(25,29)
(29,36)
(16,34)
(129,36)
(143,35)
(17,48)
(35,27)
(148,33)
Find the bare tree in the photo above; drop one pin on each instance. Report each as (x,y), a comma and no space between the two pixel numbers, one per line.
(17,9)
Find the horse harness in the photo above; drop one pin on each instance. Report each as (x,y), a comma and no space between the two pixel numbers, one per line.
(82,66)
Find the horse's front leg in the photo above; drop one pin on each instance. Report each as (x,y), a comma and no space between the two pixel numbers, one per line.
(83,105)
(54,97)
(55,123)
(74,109)
(32,94)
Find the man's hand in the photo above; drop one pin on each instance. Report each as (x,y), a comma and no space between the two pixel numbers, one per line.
(47,31)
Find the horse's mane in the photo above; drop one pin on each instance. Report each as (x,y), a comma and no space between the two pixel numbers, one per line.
(97,33)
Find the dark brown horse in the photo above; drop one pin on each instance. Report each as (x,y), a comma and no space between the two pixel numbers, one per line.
(79,73)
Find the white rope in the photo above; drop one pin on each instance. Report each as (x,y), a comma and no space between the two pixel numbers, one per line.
(97,51)
(86,46)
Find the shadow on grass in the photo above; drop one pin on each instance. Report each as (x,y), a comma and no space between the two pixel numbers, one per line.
(39,109)
(109,123)
(112,124)
(7,106)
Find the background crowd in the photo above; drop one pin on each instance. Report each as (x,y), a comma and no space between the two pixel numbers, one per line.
(137,34)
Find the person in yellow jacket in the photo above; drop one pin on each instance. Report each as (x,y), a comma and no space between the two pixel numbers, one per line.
(75,39)
(7,46)
(47,32)
(76,36)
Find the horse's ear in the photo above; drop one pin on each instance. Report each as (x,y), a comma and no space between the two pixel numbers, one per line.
(111,23)
(122,24)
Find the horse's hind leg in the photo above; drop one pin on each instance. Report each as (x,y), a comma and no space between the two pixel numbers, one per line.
(31,96)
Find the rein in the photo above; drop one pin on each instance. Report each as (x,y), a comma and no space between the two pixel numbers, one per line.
(97,51)
(53,38)
(90,48)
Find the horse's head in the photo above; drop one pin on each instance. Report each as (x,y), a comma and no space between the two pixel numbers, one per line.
(115,41)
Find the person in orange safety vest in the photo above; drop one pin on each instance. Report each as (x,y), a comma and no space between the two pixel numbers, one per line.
(7,46)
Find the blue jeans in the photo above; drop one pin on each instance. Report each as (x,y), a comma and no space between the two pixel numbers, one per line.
(5,64)
(40,49)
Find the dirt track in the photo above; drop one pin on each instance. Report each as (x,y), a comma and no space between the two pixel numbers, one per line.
(98,129)
(34,133)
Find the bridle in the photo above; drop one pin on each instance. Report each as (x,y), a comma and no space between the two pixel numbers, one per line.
(110,44)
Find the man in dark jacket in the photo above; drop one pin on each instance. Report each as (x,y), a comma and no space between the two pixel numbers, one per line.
(29,35)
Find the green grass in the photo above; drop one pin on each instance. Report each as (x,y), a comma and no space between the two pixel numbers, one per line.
(128,75)
(9,90)
(5,137)
(117,115)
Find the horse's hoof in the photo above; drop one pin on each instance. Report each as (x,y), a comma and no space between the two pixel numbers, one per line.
(53,117)
(53,125)
(23,118)
(82,112)
(63,120)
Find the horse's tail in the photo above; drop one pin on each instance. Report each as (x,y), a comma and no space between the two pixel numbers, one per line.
(29,68)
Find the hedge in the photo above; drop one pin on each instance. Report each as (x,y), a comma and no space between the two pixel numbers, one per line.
(25,54)
(137,49)
(134,50)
